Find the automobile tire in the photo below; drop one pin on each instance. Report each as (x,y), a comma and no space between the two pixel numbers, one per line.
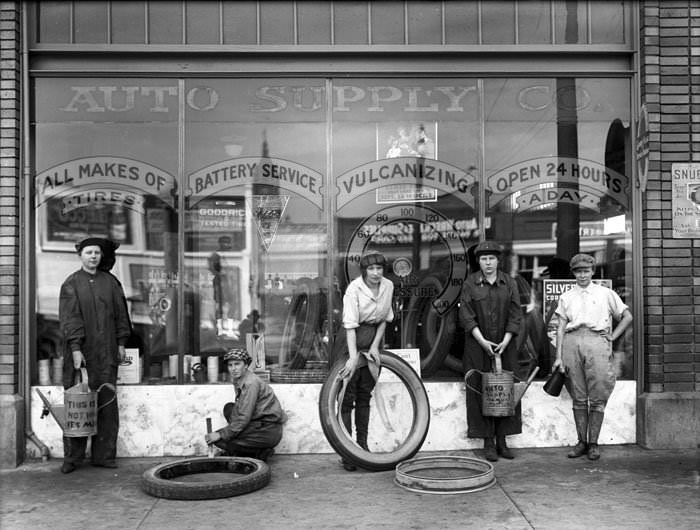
(301,324)
(335,432)
(424,328)
(238,476)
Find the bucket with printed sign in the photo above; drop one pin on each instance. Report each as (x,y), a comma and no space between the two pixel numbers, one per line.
(498,390)
(77,417)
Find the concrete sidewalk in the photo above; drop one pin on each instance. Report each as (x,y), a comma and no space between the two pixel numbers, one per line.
(629,487)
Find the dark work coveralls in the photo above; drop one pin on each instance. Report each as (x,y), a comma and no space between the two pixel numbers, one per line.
(495,309)
(255,420)
(93,319)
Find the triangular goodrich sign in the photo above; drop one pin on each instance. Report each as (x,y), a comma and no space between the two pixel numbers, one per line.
(267,211)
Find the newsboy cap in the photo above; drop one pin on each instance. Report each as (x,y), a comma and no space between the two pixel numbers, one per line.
(238,354)
(487,247)
(582,260)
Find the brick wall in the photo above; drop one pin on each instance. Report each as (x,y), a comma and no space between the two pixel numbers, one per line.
(670,87)
(10,139)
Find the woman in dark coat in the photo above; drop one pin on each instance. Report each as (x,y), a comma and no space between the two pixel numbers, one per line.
(95,327)
(490,313)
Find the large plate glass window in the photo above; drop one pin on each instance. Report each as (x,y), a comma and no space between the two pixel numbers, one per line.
(106,161)
(255,223)
(405,159)
(557,171)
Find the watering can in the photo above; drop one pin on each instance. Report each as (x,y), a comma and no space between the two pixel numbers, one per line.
(500,393)
(77,417)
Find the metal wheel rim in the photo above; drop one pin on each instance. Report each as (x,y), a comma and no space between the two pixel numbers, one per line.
(480,477)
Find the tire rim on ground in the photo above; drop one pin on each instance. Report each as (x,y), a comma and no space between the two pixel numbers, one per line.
(445,475)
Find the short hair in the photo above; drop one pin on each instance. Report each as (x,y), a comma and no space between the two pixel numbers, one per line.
(372,258)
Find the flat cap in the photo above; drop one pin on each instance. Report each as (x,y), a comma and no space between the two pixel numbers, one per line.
(487,247)
(582,260)
(238,354)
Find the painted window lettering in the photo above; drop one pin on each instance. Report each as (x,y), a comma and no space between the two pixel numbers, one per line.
(160,99)
(372,99)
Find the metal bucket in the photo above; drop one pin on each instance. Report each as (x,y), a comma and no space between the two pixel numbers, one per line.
(80,408)
(497,390)
(498,394)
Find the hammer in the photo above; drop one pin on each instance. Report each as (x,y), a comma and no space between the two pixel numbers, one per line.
(210,447)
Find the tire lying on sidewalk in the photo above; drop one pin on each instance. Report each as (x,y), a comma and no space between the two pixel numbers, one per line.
(203,478)
(334,430)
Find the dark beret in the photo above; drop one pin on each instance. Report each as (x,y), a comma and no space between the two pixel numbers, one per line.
(89,241)
(487,247)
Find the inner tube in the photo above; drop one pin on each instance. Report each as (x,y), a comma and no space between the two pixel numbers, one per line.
(337,436)
(424,328)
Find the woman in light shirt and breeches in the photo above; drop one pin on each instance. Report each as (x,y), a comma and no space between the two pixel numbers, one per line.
(584,350)
(366,310)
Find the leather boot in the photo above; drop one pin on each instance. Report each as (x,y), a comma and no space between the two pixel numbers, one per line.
(502,449)
(581,420)
(347,465)
(346,416)
(594,424)
(362,426)
(490,453)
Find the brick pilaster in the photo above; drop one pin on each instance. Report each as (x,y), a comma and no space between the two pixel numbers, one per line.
(670,84)
(10,137)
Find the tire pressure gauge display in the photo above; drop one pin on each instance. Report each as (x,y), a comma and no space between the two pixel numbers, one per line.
(436,223)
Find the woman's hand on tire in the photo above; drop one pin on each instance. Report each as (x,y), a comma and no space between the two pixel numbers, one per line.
(347,371)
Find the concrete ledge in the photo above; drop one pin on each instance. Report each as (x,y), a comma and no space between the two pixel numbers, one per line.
(169,420)
(669,420)
(12,431)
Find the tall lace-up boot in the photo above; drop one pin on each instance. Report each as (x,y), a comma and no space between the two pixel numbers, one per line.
(594,424)
(581,420)
(362,426)
(502,448)
(346,415)
(490,453)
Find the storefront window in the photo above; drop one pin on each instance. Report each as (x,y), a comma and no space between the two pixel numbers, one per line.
(256,221)
(241,220)
(106,166)
(557,180)
(404,157)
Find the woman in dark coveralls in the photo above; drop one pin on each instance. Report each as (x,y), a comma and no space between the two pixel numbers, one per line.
(490,313)
(95,327)
(255,419)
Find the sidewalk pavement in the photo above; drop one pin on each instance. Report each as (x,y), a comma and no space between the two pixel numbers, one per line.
(629,487)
